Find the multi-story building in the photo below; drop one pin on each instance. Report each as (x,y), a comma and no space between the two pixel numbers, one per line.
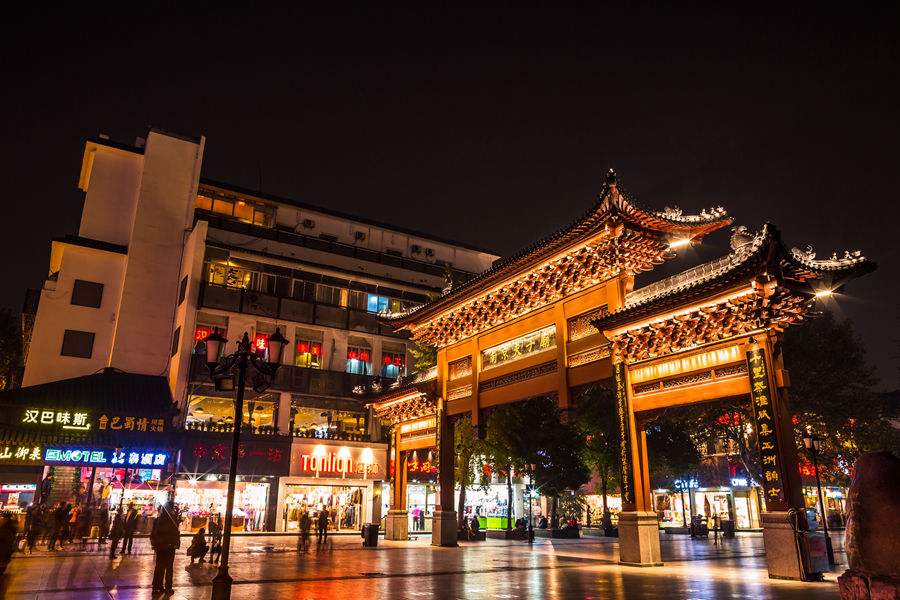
(164,257)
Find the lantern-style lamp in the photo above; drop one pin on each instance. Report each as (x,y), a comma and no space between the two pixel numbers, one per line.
(277,343)
(215,343)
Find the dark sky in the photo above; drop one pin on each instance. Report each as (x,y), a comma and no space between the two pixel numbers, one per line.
(489,128)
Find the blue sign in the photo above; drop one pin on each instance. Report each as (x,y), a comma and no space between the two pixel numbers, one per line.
(106,457)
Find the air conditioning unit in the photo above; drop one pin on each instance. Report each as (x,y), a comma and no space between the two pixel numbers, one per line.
(429,252)
(415,249)
(309,224)
(360,236)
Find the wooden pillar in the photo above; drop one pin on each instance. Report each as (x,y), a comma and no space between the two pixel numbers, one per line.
(778,459)
(396,526)
(444,525)
(638,526)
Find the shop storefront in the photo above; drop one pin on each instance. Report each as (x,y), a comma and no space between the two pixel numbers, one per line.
(594,505)
(739,502)
(835,504)
(201,489)
(343,478)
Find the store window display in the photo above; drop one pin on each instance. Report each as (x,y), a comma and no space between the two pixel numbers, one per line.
(322,422)
(344,505)
(213,411)
(202,499)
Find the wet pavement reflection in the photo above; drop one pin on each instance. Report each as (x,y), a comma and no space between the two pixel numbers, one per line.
(272,567)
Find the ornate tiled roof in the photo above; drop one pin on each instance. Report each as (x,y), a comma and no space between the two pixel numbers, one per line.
(635,240)
(761,254)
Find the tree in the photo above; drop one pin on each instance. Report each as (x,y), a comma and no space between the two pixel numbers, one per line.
(10,350)
(832,394)
(423,357)
(504,446)
(597,424)
(468,446)
(672,451)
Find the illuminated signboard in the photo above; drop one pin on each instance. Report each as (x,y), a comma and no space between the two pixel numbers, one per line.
(520,347)
(131,423)
(18,488)
(20,454)
(421,433)
(344,462)
(623,416)
(63,418)
(764,414)
(103,456)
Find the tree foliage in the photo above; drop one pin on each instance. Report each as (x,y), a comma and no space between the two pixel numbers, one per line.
(10,349)
(424,356)
(597,424)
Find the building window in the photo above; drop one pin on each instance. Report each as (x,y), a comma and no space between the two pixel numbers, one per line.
(393,364)
(328,294)
(261,344)
(309,354)
(376,304)
(87,293)
(204,202)
(182,290)
(221,274)
(216,411)
(359,360)
(304,290)
(176,339)
(79,344)
(262,282)
(315,421)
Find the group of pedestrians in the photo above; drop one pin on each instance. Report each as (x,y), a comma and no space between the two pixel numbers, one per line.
(306,523)
(64,523)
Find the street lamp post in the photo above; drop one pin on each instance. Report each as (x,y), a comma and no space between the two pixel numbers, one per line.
(812,444)
(224,368)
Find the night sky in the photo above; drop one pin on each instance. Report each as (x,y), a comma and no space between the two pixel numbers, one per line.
(487,128)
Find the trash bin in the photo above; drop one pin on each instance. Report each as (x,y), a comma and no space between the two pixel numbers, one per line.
(370,535)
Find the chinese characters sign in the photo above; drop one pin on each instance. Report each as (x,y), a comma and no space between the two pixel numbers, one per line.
(130,423)
(520,347)
(104,456)
(62,418)
(254,458)
(623,417)
(24,455)
(764,415)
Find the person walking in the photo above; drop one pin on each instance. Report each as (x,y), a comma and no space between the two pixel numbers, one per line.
(165,539)
(131,522)
(74,512)
(215,534)
(305,525)
(57,527)
(103,523)
(8,527)
(115,534)
(322,529)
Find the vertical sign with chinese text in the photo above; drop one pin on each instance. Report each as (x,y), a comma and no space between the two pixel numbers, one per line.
(764,416)
(623,411)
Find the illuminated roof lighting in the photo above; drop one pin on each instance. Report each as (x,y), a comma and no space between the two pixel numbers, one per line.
(679,243)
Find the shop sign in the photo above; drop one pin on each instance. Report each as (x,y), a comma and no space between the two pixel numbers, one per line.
(764,415)
(682,484)
(27,455)
(130,423)
(254,458)
(61,418)
(739,482)
(18,488)
(128,457)
(333,461)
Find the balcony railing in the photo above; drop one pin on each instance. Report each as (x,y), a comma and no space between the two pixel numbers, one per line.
(300,380)
(274,431)
(288,309)
(298,239)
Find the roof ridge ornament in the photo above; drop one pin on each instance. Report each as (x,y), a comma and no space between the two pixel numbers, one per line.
(611,178)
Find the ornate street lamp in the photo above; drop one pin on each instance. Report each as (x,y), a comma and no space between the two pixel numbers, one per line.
(223,370)
(813,444)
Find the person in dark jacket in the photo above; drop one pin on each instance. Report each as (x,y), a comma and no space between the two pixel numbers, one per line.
(57,531)
(322,526)
(115,534)
(103,523)
(165,540)
(8,527)
(131,523)
(198,547)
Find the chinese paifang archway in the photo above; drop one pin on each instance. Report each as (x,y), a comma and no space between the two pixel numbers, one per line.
(563,313)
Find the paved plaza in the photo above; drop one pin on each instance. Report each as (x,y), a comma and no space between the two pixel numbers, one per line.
(271,567)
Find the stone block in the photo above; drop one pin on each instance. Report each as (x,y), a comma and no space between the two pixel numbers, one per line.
(639,539)
(444,528)
(396,525)
(782,556)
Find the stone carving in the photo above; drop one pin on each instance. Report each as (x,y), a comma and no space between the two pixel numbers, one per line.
(873,549)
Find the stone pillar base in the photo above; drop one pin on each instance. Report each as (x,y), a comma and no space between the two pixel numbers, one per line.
(443,528)
(396,525)
(782,556)
(639,539)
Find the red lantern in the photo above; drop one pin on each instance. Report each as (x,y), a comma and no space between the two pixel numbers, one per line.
(364,356)
(387,359)
(351,354)
(398,360)
(316,349)
(202,333)
(303,347)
